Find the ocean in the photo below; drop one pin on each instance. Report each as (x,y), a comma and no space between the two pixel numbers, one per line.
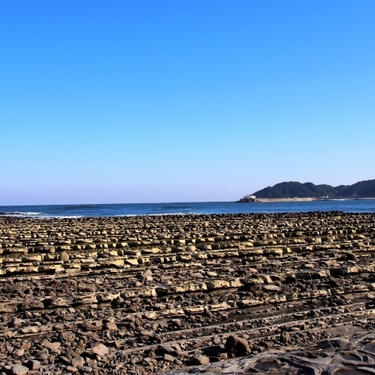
(184,208)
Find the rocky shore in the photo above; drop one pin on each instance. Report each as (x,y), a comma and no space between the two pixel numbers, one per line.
(202,294)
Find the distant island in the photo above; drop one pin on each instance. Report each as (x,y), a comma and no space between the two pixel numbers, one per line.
(294,190)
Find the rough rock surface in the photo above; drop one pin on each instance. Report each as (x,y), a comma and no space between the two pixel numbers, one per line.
(336,356)
(284,293)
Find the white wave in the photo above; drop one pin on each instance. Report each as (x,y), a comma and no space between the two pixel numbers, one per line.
(60,217)
(20,214)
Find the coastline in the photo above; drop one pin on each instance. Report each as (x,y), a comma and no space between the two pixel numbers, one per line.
(274,200)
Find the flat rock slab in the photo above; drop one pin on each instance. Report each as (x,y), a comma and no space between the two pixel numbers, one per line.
(335,356)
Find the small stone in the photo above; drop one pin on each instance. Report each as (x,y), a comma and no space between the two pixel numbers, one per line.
(174,350)
(85,369)
(93,363)
(43,356)
(178,362)
(53,346)
(87,287)
(71,369)
(160,306)
(164,348)
(65,359)
(100,350)
(30,329)
(211,273)
(199,360)
(9,334)
(111,326)
(237,346)
(64,256)
(19,370)
(95,325)
(216,340)
(26,345)
(147,333)
(285,337)
(33,364)
(132,262)
(271,288)
(168,358)
(150,315)
(150,361)
(18,353)
(147,274)
(67,336)
(78,361)
(17,322)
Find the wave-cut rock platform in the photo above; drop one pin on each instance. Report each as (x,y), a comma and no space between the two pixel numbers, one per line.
(203,294)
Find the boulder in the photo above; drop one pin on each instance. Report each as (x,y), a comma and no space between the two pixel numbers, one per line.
(237,346)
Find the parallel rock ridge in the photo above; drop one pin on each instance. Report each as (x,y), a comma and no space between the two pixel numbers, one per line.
(147,295)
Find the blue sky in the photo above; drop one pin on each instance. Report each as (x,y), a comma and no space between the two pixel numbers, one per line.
(160,101)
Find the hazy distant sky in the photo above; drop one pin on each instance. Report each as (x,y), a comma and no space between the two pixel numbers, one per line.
(158,101)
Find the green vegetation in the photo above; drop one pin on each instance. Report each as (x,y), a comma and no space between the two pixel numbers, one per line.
(294,189)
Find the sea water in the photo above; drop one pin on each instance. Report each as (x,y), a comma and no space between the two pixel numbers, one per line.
(184,208)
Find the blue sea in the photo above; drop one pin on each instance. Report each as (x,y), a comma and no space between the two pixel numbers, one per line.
(197,208)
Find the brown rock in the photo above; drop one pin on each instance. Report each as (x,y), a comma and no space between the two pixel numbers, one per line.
(271,288)
(173,350)
(71,369)
(33,364)
(85,369)
(17,322)
(199,360)
(111,326)
(147,333)
(285,337)
(64,256)
(19,370)
(92,363)
(53,346)
(30,329)
(100,350)
(87,287)
(26,345)
(96,325)
(78,361)
(237,346)
(168,358)
(67,336)
(217,340)
(8,307)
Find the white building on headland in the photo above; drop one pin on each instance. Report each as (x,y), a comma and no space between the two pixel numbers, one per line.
(248,198)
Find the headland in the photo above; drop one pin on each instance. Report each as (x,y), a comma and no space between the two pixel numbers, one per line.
(308,190)
(229,293)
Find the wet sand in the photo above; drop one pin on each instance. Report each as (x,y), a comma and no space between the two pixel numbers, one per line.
(292,293)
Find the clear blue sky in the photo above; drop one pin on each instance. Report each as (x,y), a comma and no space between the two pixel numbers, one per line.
(158,101)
